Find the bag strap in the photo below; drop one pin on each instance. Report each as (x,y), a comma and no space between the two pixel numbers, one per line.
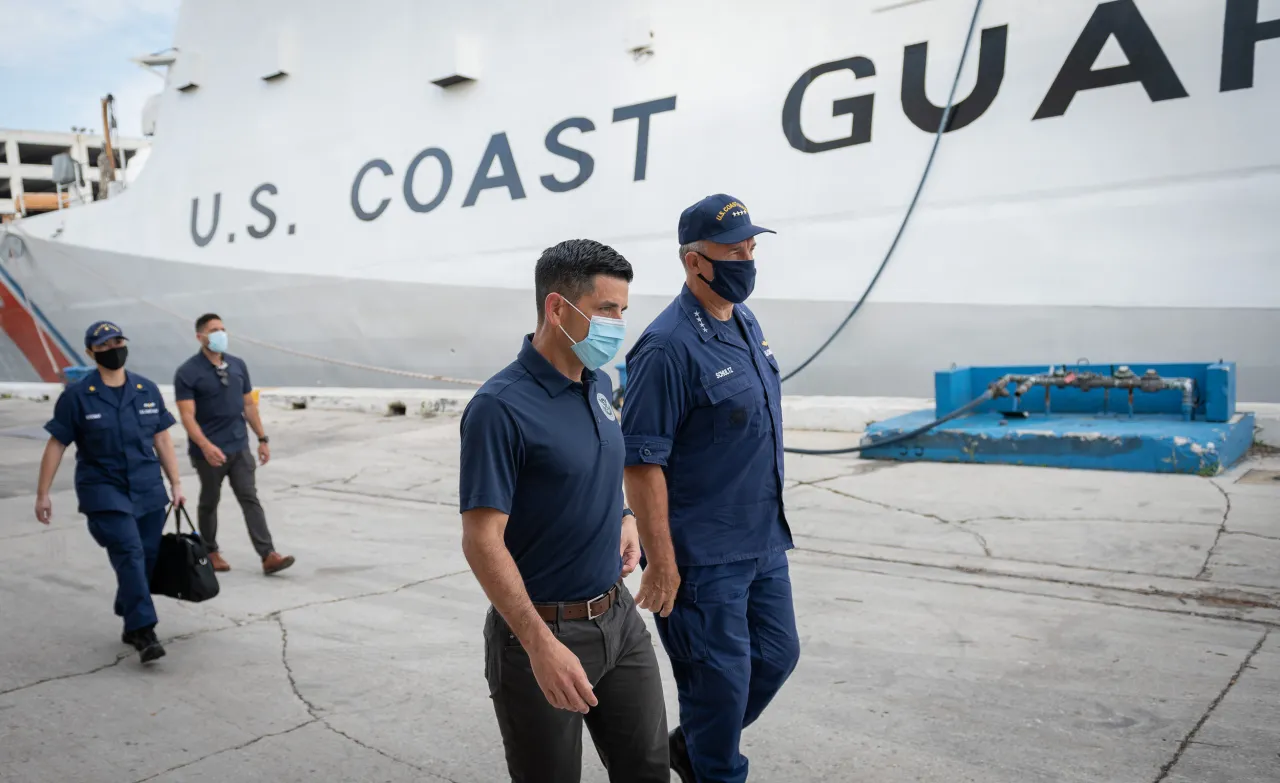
(178,513)
(190,525)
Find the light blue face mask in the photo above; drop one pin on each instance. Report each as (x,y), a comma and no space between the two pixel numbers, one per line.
(218,341)
(602,342)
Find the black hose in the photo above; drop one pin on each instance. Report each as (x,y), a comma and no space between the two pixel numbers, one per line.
(902,227)
(906,218)
(968,406)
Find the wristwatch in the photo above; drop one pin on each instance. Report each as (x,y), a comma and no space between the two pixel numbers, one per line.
(264,439)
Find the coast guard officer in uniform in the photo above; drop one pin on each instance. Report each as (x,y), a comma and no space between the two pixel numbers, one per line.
(120,426)
(548,538)
(703,428)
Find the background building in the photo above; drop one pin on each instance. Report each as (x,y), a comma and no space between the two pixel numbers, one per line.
(27,182)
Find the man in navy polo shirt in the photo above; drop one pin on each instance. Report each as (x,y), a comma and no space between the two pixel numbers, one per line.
(703,427)
(215,400)
(547,535)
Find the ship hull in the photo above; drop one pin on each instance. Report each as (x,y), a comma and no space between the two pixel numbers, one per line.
(1106,187)
(889,349)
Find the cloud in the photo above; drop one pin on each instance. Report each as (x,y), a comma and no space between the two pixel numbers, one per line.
(63,56)
(46,28)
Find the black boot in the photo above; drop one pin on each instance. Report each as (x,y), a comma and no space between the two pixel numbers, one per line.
(680,757)
(145,642)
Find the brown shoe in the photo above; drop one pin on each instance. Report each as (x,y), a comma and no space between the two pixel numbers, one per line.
(276,562)
(218,563)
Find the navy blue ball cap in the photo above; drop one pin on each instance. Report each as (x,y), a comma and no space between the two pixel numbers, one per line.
(101,331)
(720,218)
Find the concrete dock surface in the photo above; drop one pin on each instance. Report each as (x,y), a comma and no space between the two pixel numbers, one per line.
(958,623)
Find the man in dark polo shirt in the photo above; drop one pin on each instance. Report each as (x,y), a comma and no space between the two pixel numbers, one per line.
(215,400)
(548,537)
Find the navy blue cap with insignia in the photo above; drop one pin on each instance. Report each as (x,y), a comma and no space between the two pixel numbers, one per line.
(720,218)
(101,331)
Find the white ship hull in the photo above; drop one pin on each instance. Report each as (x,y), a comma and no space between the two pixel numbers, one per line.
(1133,222)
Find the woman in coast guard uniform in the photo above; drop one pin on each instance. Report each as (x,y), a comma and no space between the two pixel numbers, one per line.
(120,426)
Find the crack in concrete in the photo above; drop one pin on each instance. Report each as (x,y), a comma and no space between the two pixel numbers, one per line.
(1006,559)
(1266,624)
(385,754)
(1213,745)
(857,470)
(337,491)
(241,746)
(119,657)
(205,609)
(448,465)
(842,493)
(236,624)
(1252,535)
(312,709)
(1116,520)
(315,711)
(1204,569)
(1186,741)
(1149,592)
(287,487)
(372,594)
(982,541)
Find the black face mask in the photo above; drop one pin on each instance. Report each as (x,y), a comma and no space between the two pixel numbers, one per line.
(734,280)
(112,358)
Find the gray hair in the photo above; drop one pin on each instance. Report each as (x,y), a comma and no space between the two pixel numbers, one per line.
(690,247)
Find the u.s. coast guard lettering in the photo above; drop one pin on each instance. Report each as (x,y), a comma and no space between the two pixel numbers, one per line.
(498,152)
(379,182)
(256,231)
(1119,20)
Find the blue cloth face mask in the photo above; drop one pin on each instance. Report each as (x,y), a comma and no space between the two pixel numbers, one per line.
(602,342)
(218,339)
(734,280)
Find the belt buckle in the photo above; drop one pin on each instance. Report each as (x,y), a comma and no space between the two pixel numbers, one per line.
(600,597)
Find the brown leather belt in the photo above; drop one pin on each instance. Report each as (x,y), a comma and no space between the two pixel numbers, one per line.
(582,610)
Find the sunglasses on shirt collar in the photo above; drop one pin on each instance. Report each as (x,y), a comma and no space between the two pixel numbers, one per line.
(222,374)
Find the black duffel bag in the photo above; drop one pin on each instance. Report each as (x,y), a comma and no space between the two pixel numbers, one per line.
(183,570)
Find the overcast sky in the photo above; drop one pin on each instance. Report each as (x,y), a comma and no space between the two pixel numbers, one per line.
(60,57)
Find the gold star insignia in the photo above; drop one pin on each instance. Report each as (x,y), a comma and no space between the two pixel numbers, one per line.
(93,388)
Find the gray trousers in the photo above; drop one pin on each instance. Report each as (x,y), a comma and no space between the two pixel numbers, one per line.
(240,468)
(628,725)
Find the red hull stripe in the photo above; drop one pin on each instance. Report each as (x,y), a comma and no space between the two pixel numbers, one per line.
(17,323)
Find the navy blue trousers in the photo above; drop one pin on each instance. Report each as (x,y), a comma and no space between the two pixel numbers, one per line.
(131,543)
(732,642)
